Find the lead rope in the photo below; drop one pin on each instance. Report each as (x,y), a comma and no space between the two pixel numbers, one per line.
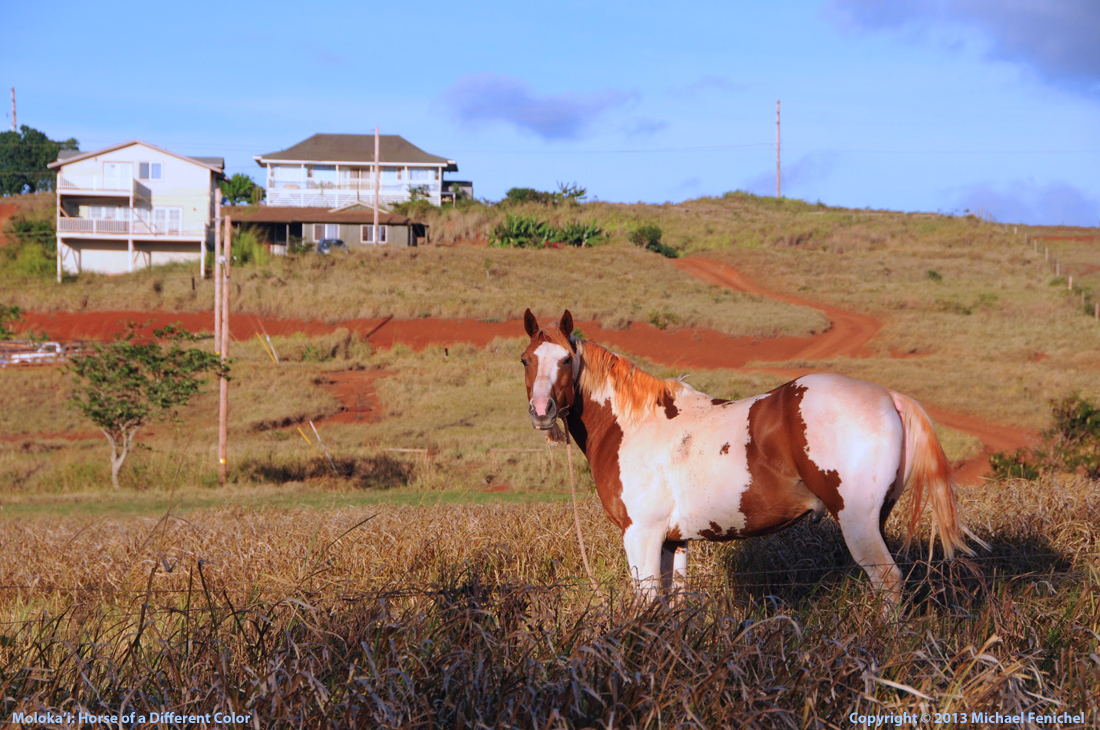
(577,515)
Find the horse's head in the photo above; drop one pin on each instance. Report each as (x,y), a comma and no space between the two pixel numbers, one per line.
(550,368)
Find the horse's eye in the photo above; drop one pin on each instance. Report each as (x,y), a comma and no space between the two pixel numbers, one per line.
(524,361)
(567,361)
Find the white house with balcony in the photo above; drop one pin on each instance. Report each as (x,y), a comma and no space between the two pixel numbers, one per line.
(133,205)
(334,170)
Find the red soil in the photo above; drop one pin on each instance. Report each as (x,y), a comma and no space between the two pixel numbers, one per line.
(358,398)
(7,210)
(690,347)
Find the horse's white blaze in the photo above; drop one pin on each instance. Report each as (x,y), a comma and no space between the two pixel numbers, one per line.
(549,359)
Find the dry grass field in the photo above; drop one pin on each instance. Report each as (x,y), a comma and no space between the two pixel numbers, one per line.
(473,616)
(445,589)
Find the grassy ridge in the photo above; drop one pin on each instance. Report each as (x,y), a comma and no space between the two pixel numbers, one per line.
(613,284)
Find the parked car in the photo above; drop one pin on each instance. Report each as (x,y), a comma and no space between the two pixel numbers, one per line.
(45,352)
(325,245)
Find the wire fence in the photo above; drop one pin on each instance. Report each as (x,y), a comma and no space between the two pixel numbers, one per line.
(1039,570)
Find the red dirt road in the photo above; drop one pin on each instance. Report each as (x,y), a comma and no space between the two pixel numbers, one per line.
(690,347)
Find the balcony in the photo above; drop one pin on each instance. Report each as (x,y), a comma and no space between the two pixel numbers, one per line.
(107,228)
(317,193)
(96,185)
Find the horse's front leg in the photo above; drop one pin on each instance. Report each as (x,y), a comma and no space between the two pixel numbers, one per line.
(643,545)
(674,567)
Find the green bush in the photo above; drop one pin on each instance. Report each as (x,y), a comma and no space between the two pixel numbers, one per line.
(649,236)
(247,248)
(31,250)
(645,235)
(1071,445)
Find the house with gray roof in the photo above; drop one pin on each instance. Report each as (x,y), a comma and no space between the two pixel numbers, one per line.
(133,205)
(333,170)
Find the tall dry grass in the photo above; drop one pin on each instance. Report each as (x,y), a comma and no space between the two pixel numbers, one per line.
(476,617)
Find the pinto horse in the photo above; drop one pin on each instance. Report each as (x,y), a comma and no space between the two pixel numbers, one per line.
(673,465)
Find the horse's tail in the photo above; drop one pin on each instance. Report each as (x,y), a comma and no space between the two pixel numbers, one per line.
(927,468)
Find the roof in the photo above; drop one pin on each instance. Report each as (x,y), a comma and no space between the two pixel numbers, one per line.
(215,164)
(298,214)
(392,148)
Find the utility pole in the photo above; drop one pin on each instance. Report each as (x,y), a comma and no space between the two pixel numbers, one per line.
(223,385)
(778,187)
(217,273)
(13,127)
(377,174)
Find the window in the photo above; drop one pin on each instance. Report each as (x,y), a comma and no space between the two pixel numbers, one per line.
(325,230)
(420,173)
(368,234)
(149,171)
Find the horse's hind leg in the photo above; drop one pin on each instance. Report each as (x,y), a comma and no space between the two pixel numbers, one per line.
(864,540)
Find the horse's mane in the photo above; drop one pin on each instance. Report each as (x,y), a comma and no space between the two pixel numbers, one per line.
(634,393)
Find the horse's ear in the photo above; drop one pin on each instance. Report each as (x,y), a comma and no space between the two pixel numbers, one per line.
(566,324)
(530,323)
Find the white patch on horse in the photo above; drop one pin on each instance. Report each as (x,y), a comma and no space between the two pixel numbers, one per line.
(849,433)
(549,358)
(697,492)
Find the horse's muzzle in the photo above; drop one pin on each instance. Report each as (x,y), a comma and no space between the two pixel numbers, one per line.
(546,421)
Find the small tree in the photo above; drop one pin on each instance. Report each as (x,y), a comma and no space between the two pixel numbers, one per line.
(125,384)
(9,315)
(242,189)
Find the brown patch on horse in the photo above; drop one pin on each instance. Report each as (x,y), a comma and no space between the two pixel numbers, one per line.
(599,437)
(719,401)
(717,533)
(667,402)
(674,534)
(725,448)
(637,393)
(786,484)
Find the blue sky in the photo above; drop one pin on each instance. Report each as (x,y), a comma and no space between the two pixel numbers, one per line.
(933,105)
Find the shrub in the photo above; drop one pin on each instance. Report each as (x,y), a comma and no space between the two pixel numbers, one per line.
(1071,445)
(527,195)
(649,236)
(247,248)
(645,235)
(1016,465)
(32,244)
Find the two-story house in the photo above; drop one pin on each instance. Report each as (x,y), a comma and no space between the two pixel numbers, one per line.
(335,170)
(133,205)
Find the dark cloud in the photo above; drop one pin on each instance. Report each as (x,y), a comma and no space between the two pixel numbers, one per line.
(1024,201)
(1057,38)
(804,171)
(482,98)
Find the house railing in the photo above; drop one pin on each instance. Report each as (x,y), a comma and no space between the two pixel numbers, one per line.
(111,227)
(97,183)
(432,186)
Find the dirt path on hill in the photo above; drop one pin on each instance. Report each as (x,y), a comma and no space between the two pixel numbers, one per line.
(687,347)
